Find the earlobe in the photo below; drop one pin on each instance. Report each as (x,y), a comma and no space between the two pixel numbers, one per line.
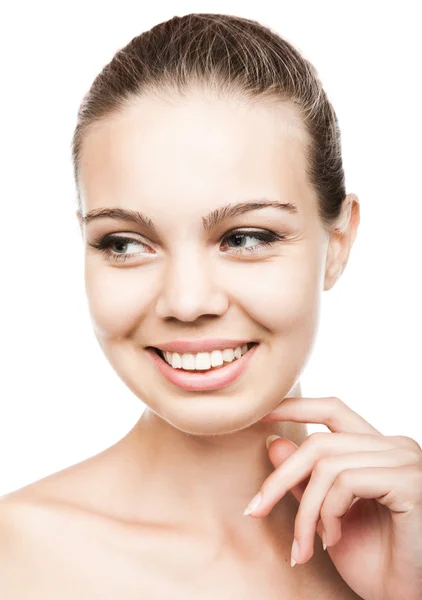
(341,241)
(333,260)
(338,248)
(331,276)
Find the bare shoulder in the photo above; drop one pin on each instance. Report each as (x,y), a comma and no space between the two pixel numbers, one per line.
(52,549)
(46,547)
(20,523)
(42,527)
(19,520)
(23,518)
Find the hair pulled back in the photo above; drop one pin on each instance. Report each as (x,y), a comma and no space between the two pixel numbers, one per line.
(223,54)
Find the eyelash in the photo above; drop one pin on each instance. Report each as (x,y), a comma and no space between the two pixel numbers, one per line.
(267,238)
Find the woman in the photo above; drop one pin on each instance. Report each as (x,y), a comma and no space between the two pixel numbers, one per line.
(212,204)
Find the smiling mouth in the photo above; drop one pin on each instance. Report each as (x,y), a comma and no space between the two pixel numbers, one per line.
(207,368)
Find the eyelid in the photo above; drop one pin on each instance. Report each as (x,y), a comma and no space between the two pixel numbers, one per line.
(118,235)
(104,238)
(267,239)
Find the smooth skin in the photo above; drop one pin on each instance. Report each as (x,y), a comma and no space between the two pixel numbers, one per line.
(170,495)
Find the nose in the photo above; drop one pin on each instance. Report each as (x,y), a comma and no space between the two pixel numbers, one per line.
(190,289)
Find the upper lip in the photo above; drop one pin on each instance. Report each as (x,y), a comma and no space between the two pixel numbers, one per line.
(200,345)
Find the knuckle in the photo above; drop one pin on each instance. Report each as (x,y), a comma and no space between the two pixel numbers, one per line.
(418,484)
(323,466)
(336,408)
(313,443)
(343,478)
(418,477)
(407,442)
(417,468)
(414,457)
(315,437)
(414,482)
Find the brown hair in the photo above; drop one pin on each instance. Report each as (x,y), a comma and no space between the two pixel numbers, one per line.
(223,53)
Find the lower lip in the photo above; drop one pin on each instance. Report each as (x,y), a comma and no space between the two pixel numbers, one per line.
(195,381)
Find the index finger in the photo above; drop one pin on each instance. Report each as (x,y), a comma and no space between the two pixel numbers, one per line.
(331,411)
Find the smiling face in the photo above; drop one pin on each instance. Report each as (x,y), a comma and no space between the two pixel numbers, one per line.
(183,274)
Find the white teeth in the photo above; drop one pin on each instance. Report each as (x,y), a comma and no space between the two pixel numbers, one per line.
(228,355)
(188,362)
(174,359)
(216,358)
(203,361)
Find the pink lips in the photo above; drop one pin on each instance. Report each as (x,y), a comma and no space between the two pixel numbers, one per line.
(198,381)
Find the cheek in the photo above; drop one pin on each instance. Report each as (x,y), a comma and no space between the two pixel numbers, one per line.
(116,300)
(284,295)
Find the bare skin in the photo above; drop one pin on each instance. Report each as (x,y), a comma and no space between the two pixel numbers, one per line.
(71,539)
(159,514)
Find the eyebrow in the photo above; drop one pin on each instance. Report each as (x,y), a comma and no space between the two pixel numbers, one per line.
(213,219)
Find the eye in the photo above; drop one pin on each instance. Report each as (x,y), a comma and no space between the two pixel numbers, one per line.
(115,246)
(266,237)
(120,242)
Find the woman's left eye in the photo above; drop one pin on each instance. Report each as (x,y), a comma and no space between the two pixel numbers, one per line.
(106,243)
(265,236)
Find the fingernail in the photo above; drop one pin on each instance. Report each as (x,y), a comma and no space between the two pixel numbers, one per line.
(253,504)
(295,553)
(270,439)
(324,540)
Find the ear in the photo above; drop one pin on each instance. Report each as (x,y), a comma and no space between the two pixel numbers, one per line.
(341,240)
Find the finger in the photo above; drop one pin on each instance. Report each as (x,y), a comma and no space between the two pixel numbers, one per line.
(398,488)
(298,465)
(322,479)
(332,412)
(278,451)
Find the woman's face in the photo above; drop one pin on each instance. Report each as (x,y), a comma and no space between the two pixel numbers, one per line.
(189,277)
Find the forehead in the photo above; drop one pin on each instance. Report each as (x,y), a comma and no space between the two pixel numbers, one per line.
(200,148)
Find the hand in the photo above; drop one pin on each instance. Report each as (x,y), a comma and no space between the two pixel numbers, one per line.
(364,489)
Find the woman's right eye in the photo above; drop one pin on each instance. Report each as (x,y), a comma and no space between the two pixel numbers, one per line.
(120,242)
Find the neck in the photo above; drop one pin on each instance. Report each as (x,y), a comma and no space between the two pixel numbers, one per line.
(205,482)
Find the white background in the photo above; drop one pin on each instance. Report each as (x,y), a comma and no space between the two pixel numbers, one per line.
(60,400)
